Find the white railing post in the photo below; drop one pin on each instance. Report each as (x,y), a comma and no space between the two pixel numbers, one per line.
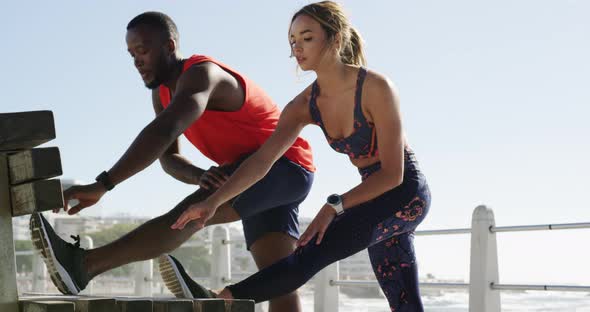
(144,275)
(39,274)
(326,294)
(483,263)
(221,257)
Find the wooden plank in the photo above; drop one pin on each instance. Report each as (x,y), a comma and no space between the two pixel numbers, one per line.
(8,290)
(47,306)
(81,303)
(134,305)
(209,305)
(173,305)
(95,305)
(239,305)
(26,130)
(36,197)
(35,164)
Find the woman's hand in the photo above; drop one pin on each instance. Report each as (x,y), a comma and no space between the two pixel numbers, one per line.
(200,212)
(318,226)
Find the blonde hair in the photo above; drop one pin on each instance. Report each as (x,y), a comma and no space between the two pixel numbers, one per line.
(334,22)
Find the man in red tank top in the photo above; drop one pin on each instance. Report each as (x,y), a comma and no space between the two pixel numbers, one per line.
(227,117)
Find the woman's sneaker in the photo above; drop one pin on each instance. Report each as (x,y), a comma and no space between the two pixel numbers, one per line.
(178,281)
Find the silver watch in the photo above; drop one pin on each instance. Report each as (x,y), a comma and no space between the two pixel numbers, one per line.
(335,201)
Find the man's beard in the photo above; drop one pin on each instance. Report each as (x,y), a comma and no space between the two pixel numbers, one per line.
(156,82)
(160,75)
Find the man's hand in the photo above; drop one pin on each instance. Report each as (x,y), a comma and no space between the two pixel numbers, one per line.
(318,226)
(212,179)
(87,195)
(200,212)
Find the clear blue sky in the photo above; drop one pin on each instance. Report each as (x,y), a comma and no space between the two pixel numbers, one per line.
(494,99)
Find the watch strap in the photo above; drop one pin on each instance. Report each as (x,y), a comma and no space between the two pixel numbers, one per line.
(104,179)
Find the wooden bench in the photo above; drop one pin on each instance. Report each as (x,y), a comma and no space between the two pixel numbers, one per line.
(130,304)
(27,186)
(24,187)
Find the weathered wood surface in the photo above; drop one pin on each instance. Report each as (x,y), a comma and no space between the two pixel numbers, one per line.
(81,303)
(95,304)
(8,290)
(25,130)
(143,304)
(209,305)
(36,197)
(239,305)
(35,164)
(134,305)
(46,306)
(173,305)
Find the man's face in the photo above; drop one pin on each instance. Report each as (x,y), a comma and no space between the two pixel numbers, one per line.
(150,54)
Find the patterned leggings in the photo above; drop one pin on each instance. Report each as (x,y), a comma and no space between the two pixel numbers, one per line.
(384,225)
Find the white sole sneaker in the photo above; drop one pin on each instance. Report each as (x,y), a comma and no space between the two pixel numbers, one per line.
(60,277)
(172,278)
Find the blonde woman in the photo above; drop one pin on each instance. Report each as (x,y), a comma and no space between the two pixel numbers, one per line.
(358,111)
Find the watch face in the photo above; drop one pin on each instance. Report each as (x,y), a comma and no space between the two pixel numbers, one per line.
(334,199)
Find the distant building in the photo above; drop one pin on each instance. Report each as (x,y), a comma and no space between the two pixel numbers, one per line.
(20,228)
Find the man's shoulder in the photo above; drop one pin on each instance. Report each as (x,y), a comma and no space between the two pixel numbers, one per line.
(201,73)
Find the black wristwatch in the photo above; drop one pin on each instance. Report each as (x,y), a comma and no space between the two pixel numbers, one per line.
(104,179)
(335,201)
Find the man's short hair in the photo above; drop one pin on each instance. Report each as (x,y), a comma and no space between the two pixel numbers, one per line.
(157,20)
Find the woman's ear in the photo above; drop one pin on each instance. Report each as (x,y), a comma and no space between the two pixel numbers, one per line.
(338,41)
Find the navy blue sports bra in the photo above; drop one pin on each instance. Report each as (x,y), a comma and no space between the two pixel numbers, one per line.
(362,143)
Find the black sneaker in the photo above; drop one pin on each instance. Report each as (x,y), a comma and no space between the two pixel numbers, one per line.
(63,259)
(178,281)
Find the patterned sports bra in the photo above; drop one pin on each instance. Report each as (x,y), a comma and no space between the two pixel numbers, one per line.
(362,143)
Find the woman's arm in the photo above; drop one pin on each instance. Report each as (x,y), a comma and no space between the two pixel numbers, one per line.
(257,166)
(382,104)
(294,117)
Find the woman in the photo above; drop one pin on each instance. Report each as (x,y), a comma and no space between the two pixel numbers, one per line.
(358,111)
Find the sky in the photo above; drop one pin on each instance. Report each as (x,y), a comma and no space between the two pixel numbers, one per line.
(494,98)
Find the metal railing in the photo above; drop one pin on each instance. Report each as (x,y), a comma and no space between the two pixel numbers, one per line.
(483,286)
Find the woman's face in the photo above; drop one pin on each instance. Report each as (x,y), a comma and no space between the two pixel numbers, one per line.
(309,42)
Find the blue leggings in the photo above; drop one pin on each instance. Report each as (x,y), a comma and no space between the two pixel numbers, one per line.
(384,225)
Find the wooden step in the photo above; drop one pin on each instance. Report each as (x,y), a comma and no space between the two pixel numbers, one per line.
(8,288)
(239,305)
(172,305)
(95,304)
(81,303)
(26,130)
(35,164)
(132,304)
(47,306)
(36,197)
(209,305)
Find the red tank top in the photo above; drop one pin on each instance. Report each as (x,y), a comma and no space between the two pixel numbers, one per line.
(225,136)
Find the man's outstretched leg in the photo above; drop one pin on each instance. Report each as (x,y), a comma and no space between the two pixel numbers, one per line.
(71,268)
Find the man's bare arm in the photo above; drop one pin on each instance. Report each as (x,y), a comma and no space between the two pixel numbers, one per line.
(173,163)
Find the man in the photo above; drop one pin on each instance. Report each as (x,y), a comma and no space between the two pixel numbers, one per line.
(225,116)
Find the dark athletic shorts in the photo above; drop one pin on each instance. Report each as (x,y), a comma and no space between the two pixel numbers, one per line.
(272,204)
